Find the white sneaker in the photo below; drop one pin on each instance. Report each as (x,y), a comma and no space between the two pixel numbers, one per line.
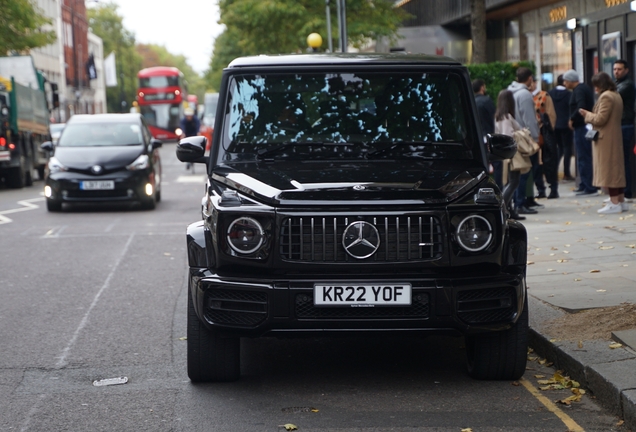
(611,209)
(625,206)
(606,200)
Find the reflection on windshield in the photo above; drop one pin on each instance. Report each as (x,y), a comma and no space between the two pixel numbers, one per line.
(374,110)
(101,134)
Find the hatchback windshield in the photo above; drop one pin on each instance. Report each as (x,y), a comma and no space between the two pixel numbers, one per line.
(357,114)
(101,134)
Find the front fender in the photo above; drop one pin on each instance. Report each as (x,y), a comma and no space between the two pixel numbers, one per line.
(199,256)
(516,250)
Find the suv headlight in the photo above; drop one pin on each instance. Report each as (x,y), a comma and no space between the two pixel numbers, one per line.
(55,165)
(142,162)
(245,235)
(474,233)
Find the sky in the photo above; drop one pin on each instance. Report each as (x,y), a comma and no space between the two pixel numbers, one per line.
(185,27)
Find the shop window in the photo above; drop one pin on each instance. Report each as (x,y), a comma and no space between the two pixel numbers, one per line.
(556,57)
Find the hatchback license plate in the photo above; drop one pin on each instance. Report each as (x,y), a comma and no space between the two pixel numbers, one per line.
(352,294)
(97,185)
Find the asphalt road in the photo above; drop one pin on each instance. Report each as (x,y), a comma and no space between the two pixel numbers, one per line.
(99,293)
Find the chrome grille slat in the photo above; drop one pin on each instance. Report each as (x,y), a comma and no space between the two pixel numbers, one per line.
(319,239)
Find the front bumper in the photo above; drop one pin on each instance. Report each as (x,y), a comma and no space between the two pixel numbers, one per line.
(246,307)
(130,186)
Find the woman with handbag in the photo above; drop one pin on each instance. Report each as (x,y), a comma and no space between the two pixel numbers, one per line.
(506,124)
(607,142)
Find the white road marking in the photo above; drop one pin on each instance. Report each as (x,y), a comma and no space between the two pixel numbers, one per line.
(26,205)
(191,179)
(62,359)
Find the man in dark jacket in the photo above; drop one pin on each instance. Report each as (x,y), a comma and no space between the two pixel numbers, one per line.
(486,112)
(582,97)
(561,100)
(625,88)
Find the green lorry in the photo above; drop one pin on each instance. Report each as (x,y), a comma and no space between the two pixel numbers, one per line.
(24,121)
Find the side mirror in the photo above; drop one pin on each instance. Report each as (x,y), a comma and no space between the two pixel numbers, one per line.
(155,143)
(47,146)
(501,147)
(192,149)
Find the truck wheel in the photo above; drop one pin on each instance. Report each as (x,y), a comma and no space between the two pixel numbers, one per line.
(53,206)
(499,355)
(17,176)
(210,357)
(28,175)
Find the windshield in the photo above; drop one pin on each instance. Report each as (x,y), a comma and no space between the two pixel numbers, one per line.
(401,114)
(163,116)
(101,134)
(159,82)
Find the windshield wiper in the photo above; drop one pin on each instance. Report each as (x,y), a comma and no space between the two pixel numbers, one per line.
(263,153)
(396,145)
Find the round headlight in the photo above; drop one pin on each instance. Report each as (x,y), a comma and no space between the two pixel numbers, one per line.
(474,233)
(245,235)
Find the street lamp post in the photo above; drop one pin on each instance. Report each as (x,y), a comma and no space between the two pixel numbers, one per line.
(328,12)
(342,24)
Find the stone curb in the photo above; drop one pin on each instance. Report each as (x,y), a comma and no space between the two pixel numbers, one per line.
(607,373)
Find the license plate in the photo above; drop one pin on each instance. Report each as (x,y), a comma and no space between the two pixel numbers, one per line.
(5,155)
(360,295)
(97,185)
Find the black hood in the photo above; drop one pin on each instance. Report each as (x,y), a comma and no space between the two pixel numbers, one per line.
(290,183)
(109,157)
(560,95)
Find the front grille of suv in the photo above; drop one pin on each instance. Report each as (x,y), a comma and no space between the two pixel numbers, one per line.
(419,309)
(319,239)
(486,305)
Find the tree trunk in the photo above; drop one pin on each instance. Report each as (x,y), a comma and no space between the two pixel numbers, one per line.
(478,30)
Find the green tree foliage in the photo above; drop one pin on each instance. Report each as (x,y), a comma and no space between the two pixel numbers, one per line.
(21,27)
(497,75)
(105,21)
(158,55)
(281,26)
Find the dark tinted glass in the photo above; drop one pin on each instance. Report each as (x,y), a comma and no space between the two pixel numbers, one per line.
(159,81)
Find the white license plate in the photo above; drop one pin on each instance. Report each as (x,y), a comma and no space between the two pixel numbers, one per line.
(5,155)
(355,294)
(97,185)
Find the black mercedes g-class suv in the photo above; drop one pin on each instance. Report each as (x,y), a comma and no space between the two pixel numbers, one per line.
(349,194)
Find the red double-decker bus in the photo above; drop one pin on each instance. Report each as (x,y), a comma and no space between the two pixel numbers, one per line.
(161,92)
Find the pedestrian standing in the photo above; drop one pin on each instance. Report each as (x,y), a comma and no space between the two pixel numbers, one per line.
(607,149)
(563,134)
(582,98)
(546,116)
(486,112)
(506,124)
(526,117)
(625,88)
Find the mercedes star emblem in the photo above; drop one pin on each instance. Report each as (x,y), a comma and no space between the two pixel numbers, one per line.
(361,239)
(96,169)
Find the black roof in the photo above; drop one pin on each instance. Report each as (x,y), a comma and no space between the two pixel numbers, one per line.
(342,59)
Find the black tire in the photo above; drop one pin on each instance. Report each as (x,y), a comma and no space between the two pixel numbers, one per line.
(53,206)
(158,196)
(211,358)
(150,203)
(17,176)
(500,355)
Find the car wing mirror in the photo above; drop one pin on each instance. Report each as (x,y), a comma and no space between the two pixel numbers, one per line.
(192,149)
(47,146)
(155,143)
(501,147)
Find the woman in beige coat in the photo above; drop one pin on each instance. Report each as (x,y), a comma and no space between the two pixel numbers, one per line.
(607,153)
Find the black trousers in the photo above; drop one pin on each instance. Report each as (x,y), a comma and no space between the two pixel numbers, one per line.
(565,147)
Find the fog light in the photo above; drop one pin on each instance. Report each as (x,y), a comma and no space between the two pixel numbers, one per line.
(48,192)
(148,189)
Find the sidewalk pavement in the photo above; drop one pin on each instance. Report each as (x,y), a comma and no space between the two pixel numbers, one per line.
(566,240)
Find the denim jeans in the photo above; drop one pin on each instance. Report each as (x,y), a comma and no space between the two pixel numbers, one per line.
(628,146)
(584,160)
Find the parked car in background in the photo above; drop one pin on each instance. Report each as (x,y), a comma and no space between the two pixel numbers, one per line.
(56,130)
(104,158)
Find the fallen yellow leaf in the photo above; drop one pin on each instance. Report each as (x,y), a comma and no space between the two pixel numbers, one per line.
(606,247)
(314,410)
(568,223)
(529,262)
(467,430)
(289,427)
(615,345)
(562,261)
(577,280)
(580,344)
(601,290)
(539,376)
(567,245)
(550,270)
(631,246)
(595,271)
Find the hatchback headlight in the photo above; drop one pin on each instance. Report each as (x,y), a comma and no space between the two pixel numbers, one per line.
(245,235)
(142,162)
(474,233)
(55,165)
